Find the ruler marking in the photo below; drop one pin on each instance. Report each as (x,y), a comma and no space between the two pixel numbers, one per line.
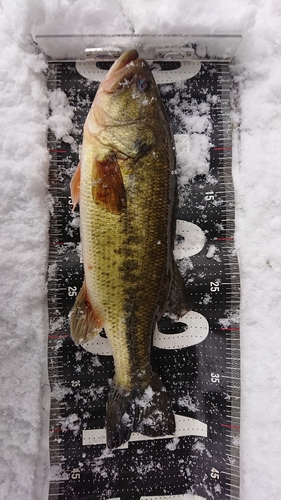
(223,149)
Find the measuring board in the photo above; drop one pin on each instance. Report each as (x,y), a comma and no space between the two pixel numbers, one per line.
(197,357)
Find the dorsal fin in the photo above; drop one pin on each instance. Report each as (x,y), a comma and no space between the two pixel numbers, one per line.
(178,302)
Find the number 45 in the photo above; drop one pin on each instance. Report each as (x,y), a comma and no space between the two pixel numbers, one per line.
(215,473)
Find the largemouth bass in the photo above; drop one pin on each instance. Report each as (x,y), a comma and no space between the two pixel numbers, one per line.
(126,188)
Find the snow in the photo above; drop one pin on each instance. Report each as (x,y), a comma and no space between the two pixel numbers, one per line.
(256,116)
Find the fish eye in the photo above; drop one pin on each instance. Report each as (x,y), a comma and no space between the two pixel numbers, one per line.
(142,84)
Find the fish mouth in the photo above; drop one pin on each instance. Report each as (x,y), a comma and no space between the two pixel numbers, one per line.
(119,70)
(125,59)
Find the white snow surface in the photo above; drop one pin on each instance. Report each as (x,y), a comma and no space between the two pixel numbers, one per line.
(25,206)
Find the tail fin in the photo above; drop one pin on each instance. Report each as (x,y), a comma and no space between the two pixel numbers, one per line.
(147,411)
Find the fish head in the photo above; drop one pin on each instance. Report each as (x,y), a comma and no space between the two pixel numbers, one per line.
(128,93)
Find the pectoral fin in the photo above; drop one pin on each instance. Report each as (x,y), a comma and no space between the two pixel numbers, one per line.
(178,302)
(75,186)
(108,188)
(85,322)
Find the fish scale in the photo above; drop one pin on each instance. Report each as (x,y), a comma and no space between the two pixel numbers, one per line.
(112,240)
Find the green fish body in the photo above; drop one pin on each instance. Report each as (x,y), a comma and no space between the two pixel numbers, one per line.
(126,188)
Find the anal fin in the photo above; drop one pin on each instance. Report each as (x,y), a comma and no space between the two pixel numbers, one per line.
(84,322)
